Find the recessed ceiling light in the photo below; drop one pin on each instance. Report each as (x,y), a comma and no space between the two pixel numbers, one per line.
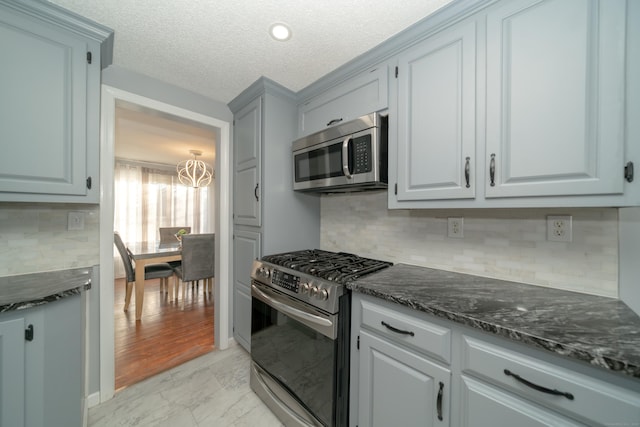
(280,31)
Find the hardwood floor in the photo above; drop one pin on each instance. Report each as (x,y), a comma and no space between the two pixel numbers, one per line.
(166,336)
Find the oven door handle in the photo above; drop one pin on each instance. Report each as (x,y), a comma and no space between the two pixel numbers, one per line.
(320,324)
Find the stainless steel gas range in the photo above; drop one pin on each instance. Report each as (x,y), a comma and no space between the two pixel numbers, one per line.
(300,329)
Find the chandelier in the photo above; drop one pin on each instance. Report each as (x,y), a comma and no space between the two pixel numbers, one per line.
(194,173)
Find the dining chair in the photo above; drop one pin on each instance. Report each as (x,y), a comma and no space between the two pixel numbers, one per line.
(198,257)
(162,271)
(168,234)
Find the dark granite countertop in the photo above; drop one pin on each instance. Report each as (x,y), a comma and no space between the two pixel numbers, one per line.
(29,290)
(602,331)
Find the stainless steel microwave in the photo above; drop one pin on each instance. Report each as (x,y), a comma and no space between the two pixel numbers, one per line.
(351,156)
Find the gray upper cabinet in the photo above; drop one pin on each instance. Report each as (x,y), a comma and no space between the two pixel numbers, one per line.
(49,112)
(555,97)
(436,117)
(247,145)
(523,103)
(362,94)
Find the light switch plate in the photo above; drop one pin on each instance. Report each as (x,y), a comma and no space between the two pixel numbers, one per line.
(75,221)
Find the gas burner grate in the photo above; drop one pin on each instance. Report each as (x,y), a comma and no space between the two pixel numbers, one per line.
(338,267)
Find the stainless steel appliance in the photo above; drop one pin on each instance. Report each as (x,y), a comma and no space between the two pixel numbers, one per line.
(351,156)
(300,328)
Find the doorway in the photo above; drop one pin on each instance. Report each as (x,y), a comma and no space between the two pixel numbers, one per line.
(221,206)
(148,195)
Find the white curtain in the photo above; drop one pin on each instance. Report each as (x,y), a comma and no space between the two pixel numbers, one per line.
(150,196)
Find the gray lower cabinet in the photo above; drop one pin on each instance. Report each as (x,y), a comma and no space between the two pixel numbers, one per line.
(400,365)
(42,377)
(12,372)
(246,248)
(50,105)
(408,368)
(399,385)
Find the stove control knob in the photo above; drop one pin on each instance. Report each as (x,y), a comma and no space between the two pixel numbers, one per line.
(264,272)
(304,288)
(313,291)
(323,294)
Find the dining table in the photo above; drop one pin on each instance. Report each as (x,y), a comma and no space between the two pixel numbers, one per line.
(144,253)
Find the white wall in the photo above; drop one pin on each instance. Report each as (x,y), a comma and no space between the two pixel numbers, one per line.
(507,244)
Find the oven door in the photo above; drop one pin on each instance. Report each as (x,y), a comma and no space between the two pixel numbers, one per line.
(296,346)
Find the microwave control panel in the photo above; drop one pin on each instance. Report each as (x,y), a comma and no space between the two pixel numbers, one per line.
(362,154)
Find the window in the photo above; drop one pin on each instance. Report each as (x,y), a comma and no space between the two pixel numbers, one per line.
(149,196)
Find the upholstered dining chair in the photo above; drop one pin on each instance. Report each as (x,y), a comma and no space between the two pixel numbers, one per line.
(168,234)
(161,270)
(198,256)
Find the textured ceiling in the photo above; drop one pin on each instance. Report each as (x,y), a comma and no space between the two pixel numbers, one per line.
(150,136)
(219,47)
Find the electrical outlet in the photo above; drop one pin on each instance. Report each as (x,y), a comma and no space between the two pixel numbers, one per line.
(75,221)
(455,227)
(559,228)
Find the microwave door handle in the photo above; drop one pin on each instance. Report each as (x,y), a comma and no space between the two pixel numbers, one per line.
(345,158)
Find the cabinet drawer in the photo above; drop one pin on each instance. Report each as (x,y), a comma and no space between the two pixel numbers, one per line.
(425,337)
(363,94)
(588,399)
(485,405)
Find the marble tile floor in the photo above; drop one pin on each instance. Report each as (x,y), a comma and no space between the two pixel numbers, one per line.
(211,390)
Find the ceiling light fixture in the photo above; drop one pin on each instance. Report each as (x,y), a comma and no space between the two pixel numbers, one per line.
(194,173)
(280,31)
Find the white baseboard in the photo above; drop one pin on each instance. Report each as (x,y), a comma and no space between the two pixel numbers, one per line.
(93,399)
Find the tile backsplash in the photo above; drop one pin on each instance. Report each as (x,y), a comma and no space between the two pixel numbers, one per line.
(34,238)
(507,244)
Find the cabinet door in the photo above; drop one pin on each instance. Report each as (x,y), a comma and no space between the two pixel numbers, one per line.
(363,94)
(555,97)
(436,117)
(12,371)
(483,405)
(398,386)
(247,159)
(246,248)
(43,122)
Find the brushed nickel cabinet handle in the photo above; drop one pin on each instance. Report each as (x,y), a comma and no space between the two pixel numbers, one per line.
(467,171)
(492,170)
